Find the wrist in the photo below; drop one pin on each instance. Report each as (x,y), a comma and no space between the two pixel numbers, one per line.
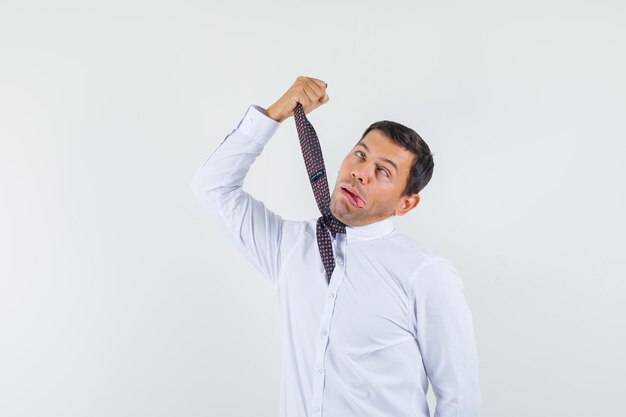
(272,113)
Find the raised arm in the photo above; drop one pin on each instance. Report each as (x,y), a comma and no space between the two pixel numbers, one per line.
(217,184)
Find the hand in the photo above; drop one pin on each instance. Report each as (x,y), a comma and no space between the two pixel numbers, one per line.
(310,92)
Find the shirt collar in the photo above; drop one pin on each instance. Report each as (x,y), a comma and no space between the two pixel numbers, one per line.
(370,231)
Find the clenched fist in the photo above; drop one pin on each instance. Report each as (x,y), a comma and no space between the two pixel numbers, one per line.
(308,91)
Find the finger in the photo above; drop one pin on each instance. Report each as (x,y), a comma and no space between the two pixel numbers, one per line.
(320,83)
(302,99)
(316,84)
(319,91)
(312,95)
(324,99)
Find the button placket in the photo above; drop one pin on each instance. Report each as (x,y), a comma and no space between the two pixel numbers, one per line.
(325,323)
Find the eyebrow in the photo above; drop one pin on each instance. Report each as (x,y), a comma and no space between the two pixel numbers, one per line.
(384,159)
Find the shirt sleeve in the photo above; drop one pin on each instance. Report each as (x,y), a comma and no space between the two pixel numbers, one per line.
(445,334)
(217,185)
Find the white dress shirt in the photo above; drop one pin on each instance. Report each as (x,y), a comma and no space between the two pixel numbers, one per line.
(393,316)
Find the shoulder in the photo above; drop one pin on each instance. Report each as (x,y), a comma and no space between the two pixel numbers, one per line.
(426,267)
(415,252)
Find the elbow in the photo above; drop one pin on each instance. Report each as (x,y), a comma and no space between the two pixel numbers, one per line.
(205,183)
(459,400)
(196,187)
(477,400)
(472,402)
(212,195)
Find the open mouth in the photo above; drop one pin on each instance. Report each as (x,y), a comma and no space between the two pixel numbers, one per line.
(353,198)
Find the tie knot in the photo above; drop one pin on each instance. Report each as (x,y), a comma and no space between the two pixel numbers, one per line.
(333,224)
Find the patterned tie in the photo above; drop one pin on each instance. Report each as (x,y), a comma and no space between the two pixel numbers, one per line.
(314,162)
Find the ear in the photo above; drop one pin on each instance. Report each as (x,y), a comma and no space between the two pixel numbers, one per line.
(407,204)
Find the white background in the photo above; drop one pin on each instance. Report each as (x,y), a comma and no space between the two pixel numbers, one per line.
(118,297)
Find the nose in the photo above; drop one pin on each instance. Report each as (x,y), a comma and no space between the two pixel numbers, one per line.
(361,172)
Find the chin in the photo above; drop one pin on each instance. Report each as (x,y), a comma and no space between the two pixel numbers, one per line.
(345,216)
(337,211)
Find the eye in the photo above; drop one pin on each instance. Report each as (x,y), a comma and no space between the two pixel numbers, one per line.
(380,168)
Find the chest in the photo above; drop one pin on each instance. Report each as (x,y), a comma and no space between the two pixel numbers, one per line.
(365,306)
(371,307)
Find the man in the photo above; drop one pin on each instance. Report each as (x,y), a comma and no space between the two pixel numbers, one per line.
(393,315)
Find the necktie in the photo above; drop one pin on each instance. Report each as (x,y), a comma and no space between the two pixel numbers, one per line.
(314,162)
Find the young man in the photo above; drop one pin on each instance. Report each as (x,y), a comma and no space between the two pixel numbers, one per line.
(393,315)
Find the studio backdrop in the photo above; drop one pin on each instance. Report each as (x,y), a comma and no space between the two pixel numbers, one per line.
(119,297)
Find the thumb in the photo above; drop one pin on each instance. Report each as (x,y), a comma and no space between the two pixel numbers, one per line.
(324,99)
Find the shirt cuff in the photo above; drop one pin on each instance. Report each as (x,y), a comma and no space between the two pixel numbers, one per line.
(256,124)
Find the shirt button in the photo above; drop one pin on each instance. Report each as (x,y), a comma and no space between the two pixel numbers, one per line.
(321,371)
(249,119)
(324,332)
(339,261)
(331,295)
(317,409)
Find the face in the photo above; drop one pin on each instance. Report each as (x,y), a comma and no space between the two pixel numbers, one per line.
(376,170)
